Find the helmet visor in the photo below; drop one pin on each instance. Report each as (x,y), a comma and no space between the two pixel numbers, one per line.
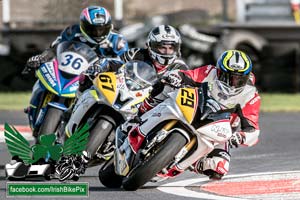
(97,32)
(233,79)
(165,47)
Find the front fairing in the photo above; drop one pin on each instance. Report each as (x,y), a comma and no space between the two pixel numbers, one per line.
(54,81)
(109,89)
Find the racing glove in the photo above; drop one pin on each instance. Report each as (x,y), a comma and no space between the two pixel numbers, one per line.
(236,139)
(35,61)
(211,106)
(173,79)
(101,65)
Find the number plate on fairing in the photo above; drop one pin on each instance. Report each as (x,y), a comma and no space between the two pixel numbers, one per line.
(72,63)
(107,85)
(187,101)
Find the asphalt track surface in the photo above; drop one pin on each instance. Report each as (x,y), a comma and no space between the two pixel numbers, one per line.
(269,170)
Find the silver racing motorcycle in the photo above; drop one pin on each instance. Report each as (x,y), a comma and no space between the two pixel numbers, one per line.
(168,140)
(113,98)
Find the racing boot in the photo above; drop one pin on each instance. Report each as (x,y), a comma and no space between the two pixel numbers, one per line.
(215,165)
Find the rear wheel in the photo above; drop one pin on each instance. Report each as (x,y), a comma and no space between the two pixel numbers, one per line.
(51,121)
(155,163)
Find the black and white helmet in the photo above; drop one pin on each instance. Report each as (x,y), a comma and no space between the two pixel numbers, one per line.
(162,35)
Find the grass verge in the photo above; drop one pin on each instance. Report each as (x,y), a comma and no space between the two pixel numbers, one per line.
(270,102)
(14,100)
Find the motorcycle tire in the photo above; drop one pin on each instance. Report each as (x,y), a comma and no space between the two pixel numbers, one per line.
(108,177)
(99,133)
(155,163)
(51,121)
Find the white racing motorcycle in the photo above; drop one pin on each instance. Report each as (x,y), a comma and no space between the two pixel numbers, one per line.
(113,98)
(171,137)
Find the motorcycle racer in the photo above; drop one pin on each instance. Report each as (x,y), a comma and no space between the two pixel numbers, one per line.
(95,29)
(162,50)
(231,84)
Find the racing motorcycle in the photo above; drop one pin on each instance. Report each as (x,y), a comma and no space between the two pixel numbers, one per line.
(169,139)
(113,98)
(55,89)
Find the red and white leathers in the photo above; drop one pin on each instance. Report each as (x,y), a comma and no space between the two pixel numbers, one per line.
(216,164)
(248,98)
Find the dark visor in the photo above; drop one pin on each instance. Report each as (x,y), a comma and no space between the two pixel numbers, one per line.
(233,79)
(96,31)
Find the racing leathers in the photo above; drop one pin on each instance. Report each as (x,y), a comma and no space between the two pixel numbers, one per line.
(216,163)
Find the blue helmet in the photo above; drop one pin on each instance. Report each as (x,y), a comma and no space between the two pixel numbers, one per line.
(95,24)
(234,68)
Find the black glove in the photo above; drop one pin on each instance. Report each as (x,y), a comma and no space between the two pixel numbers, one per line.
(173,79)
(236,139)
(99,66)
(35,61)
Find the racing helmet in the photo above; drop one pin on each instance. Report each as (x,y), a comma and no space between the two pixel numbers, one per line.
(233,71)
(163,35)
(95,24)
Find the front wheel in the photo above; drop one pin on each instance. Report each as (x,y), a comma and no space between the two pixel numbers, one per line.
(155,163)
(98,134)
(51,121)
(108,177)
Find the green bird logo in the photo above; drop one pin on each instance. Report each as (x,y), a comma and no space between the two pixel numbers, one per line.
(46,148)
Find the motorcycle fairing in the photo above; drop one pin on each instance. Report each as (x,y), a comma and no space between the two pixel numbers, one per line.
(53,80)
(107,85)
(187,101)
(86,101)
(37,93)
(218,131)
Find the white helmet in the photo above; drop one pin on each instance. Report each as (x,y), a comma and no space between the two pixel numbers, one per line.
(162,35)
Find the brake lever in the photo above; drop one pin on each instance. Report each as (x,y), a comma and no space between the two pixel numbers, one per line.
(26,70)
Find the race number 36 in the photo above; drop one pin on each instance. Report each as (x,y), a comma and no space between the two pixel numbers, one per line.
(69,59)
(187,98)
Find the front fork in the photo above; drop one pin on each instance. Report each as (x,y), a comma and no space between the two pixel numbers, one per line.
(36,101)
(124,153)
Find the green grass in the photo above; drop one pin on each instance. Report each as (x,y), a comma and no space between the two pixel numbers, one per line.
(270,102)
(280,102)
(14,101)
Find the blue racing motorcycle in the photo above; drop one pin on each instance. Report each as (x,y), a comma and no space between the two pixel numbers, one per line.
(55,89)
